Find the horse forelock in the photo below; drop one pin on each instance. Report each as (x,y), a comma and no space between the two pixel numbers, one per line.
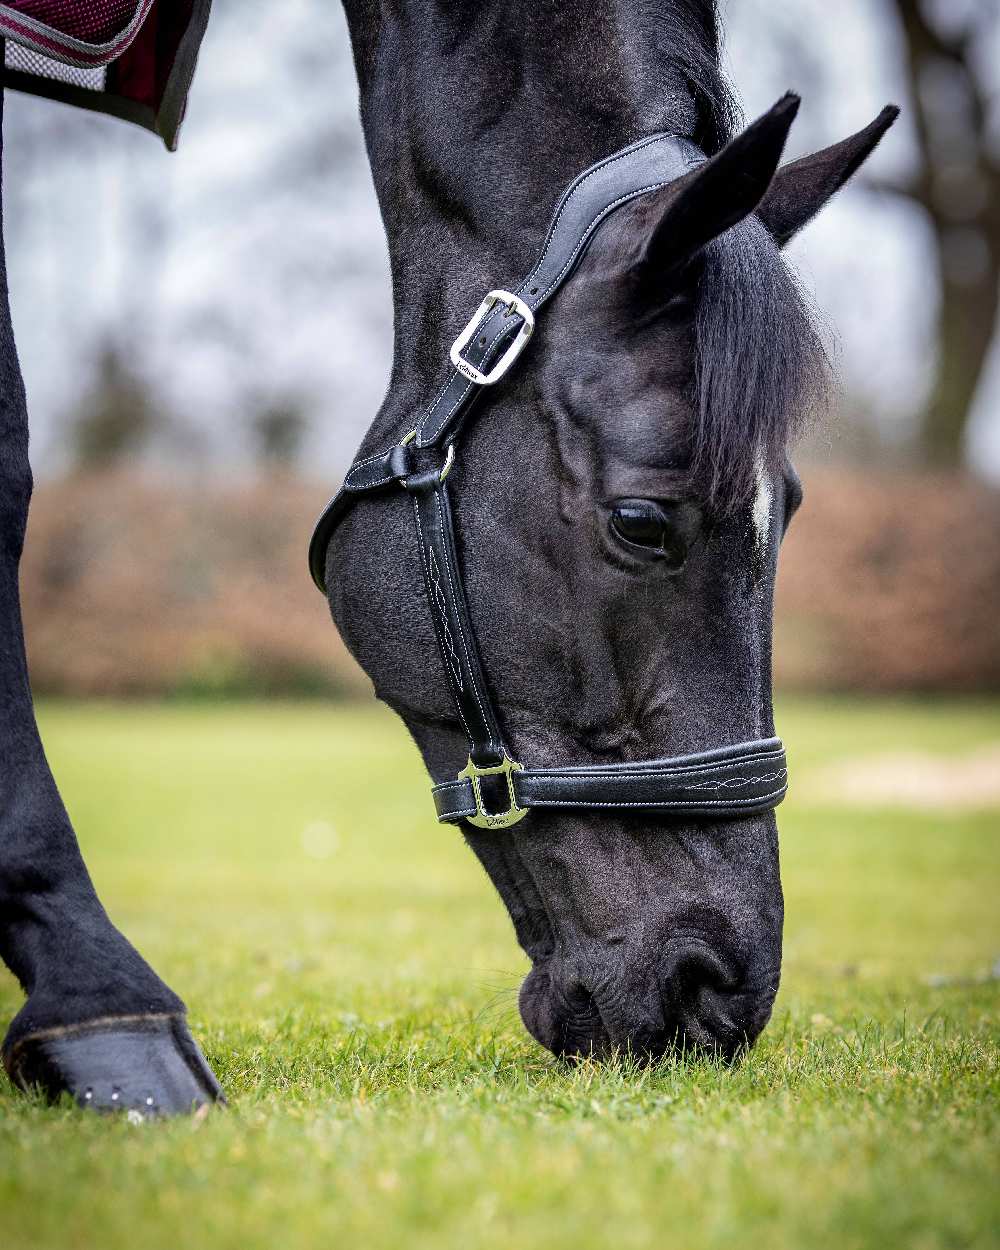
(760,367)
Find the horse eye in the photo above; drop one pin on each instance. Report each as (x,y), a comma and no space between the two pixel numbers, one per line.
(639,521)
(650,526)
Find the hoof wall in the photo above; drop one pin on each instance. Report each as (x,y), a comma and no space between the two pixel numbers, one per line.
(145,1065)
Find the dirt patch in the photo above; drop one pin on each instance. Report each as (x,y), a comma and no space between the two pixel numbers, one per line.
(913,779)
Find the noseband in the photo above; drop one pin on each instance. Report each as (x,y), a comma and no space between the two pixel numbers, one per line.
(494,791)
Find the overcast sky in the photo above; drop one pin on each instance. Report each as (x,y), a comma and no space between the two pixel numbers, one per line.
(250,266)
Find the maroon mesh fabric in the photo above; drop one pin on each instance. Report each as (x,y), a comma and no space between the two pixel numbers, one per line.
(93,21)
(145,49)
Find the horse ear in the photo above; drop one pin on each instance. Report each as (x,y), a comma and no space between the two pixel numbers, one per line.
(719,193)
(801,188)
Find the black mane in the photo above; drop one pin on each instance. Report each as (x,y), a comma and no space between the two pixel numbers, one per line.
(690,37)
(760,365)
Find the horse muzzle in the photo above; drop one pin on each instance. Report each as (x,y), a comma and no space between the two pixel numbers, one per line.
(694,998)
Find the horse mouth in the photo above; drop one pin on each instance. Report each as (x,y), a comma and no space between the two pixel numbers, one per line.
(566,1022)
(696,1006)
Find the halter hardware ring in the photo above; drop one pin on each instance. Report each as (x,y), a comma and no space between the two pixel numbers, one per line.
(515,306)
(449,459)
(494,820)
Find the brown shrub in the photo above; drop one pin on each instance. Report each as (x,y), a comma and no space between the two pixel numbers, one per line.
(890,583)
(139,587)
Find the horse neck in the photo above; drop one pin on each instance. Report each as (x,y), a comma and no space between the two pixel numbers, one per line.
(477,117)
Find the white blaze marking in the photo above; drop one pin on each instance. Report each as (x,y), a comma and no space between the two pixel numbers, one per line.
(762,507)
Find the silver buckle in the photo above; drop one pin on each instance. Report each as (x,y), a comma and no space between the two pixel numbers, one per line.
(514,305)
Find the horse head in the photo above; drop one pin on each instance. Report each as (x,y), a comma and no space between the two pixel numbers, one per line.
(618,508)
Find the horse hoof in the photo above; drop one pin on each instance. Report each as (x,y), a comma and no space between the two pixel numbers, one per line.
(145,1065)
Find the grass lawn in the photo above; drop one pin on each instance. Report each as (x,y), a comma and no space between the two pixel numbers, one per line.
(353,978)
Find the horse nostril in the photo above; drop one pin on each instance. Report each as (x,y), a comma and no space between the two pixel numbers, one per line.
(700,998)
(694,966)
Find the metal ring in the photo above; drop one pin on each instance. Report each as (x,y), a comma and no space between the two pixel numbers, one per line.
(408,438)
(449,461)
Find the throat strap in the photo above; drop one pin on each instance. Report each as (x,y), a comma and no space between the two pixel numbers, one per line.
(450,612)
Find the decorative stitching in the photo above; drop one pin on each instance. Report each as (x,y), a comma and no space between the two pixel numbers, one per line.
(695,803)
(638,772)
(461,627)
(725,783)
(731,783)
(438,600)
(424,548)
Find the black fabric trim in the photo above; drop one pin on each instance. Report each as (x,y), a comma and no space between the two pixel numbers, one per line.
(167,122)
(173,105)
(82,97)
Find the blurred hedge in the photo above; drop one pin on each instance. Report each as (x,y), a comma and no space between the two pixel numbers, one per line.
(139,587)
(891,583)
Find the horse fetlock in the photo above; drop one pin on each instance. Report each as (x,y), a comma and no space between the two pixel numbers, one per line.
(75,967)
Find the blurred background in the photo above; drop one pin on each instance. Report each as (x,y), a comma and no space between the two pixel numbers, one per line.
(196,389)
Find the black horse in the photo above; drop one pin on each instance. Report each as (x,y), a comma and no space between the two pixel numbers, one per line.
(619,500)
(619,504)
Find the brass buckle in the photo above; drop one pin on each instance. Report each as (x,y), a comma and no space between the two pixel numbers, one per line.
(494,820)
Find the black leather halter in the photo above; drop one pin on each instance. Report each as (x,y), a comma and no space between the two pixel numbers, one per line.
(493,791)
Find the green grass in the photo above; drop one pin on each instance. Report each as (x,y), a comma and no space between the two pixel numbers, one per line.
(353,979)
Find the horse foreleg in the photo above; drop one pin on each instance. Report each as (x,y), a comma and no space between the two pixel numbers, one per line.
(98,1022)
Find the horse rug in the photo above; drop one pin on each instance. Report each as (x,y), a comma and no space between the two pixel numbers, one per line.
(131,58)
